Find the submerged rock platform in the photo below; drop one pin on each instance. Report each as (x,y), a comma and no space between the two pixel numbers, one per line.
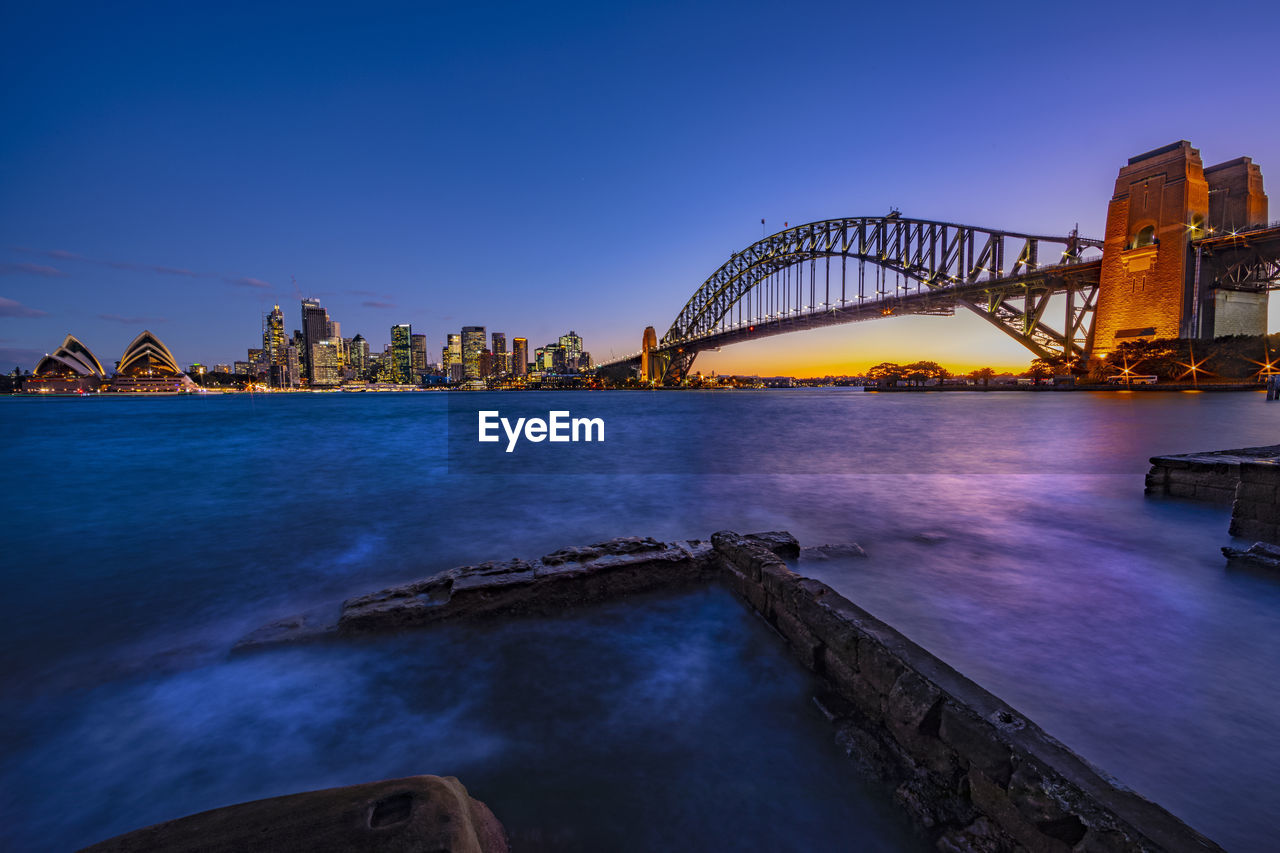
(976,774)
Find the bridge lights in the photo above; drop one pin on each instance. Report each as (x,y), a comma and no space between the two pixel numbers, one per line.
(1194,368)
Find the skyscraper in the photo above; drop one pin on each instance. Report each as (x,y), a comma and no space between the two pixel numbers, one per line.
(358,353)
(273,339)
(520,356)
(572,346)
(472,349)
(418,346)
(451,357)
(326,362)
(315,326)
(402,353)
(558,359)
(292,366)
(501,358)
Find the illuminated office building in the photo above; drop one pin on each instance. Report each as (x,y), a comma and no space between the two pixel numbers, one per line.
(402,353)
(418,350)
(358,353)
(273,337)
(326,363)
(501,358)
(571,344)
(520,356)
(472,350)
(315,328)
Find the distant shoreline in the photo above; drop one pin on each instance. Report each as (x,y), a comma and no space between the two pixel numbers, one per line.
(1051,388)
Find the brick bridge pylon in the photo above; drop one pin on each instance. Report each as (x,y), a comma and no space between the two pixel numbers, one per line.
(1153,284)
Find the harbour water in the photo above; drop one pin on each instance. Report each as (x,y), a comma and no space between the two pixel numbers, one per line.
(144,536)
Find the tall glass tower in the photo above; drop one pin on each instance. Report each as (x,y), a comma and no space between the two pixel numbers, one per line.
(402,353)
(520,356)
(472,349)
(315,328)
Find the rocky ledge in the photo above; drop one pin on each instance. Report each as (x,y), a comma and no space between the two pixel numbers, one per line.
(416,813)
(561,579)
(1259,555)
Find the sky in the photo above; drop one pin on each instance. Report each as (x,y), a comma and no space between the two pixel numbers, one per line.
(540,167)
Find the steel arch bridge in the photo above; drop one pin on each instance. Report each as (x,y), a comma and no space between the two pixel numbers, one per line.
(859,268)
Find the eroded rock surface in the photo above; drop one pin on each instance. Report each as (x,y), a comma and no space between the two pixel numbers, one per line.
(835,551)
(561,579)
(1259,555)
(429,813)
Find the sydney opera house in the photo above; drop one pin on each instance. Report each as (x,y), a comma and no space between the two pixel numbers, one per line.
(147,367)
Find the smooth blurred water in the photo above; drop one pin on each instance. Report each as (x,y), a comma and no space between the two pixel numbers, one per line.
(145,535)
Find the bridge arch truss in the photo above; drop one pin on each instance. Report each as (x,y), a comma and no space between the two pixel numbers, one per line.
(844,270)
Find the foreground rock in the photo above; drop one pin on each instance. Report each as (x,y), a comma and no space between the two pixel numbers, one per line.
(1259,555)
(419,813)
(561,579)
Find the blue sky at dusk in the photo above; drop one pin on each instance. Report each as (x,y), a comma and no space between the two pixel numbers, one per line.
(539,167)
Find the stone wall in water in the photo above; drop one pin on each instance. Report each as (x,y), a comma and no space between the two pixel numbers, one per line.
(1248,479)
(1255,514)
(970,768)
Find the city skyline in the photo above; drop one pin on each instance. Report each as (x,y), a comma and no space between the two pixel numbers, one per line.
(376,170)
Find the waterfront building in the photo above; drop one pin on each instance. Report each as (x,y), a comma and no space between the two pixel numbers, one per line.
(243,368)
(472,349)
(315,327)
(196,369)
(540,359)
(147,367)
(402,353)
(520,356)
(222,368)
(326,363)
(69,369)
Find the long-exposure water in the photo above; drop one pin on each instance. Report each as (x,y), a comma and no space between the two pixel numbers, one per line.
(144,536)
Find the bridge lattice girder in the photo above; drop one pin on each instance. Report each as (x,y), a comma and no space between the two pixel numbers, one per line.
(1247,260)
(947,263)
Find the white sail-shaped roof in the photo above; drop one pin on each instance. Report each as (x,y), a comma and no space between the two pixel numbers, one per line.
(72,356)
(147,356)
